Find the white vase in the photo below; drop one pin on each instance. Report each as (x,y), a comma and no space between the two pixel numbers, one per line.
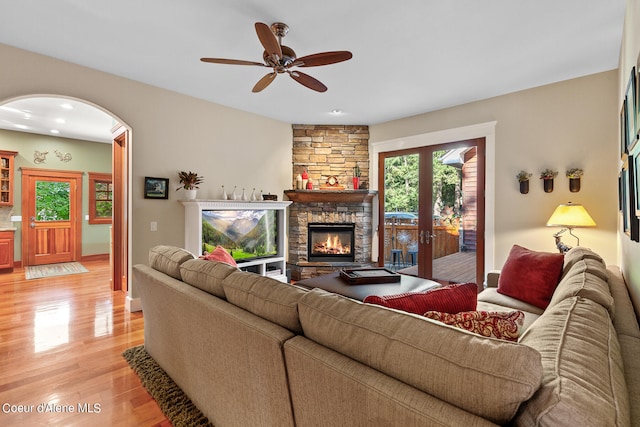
(190,194)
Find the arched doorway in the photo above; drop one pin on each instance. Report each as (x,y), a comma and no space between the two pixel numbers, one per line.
(59,116)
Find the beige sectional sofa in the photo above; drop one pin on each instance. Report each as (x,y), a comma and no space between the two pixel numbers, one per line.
(249,350)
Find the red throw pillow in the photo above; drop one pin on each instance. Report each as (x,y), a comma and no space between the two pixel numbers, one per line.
(497,324)
(220,254)
(531,276)
(448,299)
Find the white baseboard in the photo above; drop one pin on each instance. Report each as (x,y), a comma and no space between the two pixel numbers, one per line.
(133,304)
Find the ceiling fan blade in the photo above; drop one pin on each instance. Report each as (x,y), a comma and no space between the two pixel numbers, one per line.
(264,82)
(231,61)
(268,40)
(308,81)
(324,58)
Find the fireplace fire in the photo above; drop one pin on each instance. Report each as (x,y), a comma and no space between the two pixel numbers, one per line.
(331,242)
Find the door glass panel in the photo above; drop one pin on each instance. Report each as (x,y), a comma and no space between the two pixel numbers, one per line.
(454,211)
(401,201)
(52,200)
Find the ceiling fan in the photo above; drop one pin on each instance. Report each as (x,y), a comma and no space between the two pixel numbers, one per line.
(282,58)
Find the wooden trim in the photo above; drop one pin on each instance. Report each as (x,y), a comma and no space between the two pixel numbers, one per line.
(95,257)
(100,177)
(331,196)
(119,230)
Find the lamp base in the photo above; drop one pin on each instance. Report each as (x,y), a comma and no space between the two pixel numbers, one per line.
(562,248)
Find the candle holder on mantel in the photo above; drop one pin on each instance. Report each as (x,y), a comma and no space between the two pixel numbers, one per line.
(356,177)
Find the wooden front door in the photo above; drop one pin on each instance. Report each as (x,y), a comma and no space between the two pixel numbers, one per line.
(51,214)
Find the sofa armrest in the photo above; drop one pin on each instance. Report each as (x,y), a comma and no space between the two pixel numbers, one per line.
(492,278)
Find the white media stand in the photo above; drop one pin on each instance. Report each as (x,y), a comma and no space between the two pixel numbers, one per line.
(193,231)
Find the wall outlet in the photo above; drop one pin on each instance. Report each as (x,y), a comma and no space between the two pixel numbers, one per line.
(154,226)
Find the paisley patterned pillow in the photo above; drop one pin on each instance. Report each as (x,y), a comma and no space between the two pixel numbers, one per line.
(504,325)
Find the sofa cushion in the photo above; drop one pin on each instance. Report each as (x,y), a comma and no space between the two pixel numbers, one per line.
(206,275)
(583,382)
(265,297)
(630,347)
(447,299)
(168,259)
(578,254)
(491,295)
(581,282)
(530,276)
(504,325)
(487,377)
(625,320)
(220,254)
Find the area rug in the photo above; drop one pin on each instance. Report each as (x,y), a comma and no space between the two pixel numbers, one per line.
(50,270)
(171,399)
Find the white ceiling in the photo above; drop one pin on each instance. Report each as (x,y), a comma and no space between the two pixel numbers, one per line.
(409,56)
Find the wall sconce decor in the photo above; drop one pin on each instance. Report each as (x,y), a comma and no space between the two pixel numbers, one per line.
(569,216)
(547,177)
(574,176)
(523,179)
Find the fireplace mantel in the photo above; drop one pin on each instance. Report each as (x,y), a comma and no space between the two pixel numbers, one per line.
(331,196)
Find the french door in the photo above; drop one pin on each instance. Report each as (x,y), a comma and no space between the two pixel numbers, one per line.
(51,213)
(432,211)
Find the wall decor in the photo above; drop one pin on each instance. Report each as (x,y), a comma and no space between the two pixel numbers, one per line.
(634,221)
(64,157)
(631,110)
(523,179)
(574,175)
(623,130)
(624,197)
(636,180)
(156,188)
(547,176)
(39,157)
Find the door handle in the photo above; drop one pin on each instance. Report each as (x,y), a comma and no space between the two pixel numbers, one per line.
(33,218)
(32,225)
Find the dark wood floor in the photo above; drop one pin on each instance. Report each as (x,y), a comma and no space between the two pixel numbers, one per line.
(61,343)
(459,267)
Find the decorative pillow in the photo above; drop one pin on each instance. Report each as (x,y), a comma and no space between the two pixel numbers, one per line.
(447,299)
(504,325)
(531,276)
(220,254)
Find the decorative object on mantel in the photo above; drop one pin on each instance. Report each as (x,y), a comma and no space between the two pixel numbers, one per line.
(305,179)
(574,175)
(253,195)
(547,176)
(356,177)
(332,184)
(270,197)
(39,157)
(523,179)
(190,182)
(298,185)
(225,196)
(64,157)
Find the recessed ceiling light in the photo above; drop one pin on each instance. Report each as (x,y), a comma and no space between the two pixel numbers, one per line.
(61,121)
(55,131)
(67,106)
(21,126)
(336,111)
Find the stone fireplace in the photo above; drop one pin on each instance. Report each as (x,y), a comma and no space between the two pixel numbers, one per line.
(329,154)
(333,212)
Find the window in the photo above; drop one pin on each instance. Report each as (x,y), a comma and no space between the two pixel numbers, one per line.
(100,198)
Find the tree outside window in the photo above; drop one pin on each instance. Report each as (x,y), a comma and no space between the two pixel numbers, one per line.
(100,198)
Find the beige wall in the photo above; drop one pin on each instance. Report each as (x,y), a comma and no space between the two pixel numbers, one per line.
(86,157)
(170,132)
(559,126)
(629,251)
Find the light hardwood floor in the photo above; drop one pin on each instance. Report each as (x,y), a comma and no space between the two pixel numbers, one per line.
(61,344)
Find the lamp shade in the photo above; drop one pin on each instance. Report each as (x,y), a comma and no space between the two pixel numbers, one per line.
(571,215)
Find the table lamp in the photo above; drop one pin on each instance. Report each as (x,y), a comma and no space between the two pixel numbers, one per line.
(569,216)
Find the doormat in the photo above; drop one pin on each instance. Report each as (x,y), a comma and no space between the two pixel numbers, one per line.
(50,270)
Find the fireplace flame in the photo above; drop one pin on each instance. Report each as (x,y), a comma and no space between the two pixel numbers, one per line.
(333,245)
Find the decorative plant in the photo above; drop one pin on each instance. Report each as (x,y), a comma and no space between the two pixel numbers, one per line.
(523,176)
(574,173)
(356,171)
(189,180)
(548,174)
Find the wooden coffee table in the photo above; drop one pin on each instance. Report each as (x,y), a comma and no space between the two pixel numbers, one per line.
(333,283)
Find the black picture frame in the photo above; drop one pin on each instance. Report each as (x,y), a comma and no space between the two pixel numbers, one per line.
(631,108)
(624,198)
(156,188)
(634,221)
(636,181)
(623,130)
